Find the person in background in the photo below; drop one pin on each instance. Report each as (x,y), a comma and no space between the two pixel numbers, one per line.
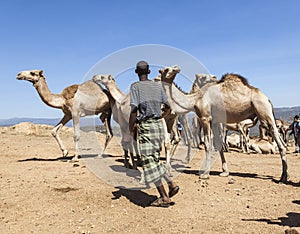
(295,127)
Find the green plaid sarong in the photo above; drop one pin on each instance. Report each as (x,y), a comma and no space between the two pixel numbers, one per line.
(150,138)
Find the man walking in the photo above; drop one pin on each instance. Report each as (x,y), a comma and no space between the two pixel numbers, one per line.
(146,98)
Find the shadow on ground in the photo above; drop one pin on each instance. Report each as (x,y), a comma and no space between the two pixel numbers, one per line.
(137,197)
(244,175)
(292,220)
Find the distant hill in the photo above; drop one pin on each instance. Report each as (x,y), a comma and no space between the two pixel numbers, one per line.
(87,121)
(285,113)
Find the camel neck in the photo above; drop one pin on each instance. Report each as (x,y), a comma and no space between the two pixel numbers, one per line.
(53,100)
(115,92)
(180,102)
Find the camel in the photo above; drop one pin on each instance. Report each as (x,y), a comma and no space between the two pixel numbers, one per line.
(75,101)
(262,146)
(259,146)
(171,119)
(233,140)
(122,111)
(283,128)
(230,100)
(242,127)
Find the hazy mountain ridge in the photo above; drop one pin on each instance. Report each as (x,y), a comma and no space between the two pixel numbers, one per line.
(285,113)
(49,121)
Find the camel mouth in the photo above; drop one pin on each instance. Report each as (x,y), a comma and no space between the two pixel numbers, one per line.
(20,78)
(176,68)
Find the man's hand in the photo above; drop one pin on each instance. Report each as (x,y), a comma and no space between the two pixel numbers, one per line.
(132,120)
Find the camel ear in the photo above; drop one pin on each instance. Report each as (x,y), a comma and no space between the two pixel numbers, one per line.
(160,71)
(41,73)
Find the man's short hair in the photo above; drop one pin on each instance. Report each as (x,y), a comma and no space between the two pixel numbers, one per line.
(142,68)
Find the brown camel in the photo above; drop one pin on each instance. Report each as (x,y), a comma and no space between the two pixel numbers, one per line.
(75,101)
(241,127)
(230,100)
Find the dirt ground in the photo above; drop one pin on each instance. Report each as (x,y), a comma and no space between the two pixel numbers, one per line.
(43,193)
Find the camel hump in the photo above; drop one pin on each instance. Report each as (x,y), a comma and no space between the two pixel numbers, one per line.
(70,91)
(234,77)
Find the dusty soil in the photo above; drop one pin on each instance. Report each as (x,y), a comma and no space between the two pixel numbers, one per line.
(43,193)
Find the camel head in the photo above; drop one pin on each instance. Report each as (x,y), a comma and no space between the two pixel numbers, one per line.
(32,76)
(104,79)
(203,79)
(168,74)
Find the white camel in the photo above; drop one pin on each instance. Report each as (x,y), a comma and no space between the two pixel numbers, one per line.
(230,100)
(121,112)
(122,101)
(75,101)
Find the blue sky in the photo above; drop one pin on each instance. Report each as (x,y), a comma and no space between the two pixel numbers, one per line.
(257,39)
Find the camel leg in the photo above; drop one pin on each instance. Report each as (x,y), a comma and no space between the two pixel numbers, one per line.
(196,141)
(269,119)
(282,151)
(127,143)
(243,140)
(218,136)
(246,131)
(167,147)
(132,156)
(204,174)
(225,172)
(55,133)
(188,136)
(105,117)
(175,139)
(225,145)
(125,146)
(126,157)
(76,126)
(137,153)
(136,148)
(174,144)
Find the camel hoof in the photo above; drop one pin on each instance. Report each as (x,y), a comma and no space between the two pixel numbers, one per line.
(142,181)
(65,153)
(169,173)
(127,165)
(204,176)
(187,160)
(74,159)
(169,169)
(283,179)
(224,174)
